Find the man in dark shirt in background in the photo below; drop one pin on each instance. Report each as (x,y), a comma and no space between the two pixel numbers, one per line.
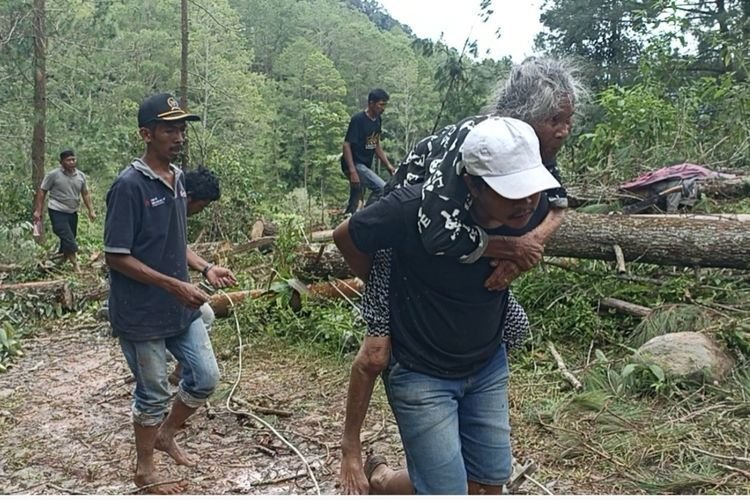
(447,379)
(361,143)
(153,306)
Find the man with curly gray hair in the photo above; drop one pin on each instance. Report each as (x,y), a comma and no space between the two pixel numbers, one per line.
(540,91)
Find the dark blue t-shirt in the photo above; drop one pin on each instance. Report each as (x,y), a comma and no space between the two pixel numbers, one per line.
(363,136)
(444,322)
(147,219)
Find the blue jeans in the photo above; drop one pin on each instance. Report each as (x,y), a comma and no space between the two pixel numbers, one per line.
(453,430)
(148,362)
(367,180)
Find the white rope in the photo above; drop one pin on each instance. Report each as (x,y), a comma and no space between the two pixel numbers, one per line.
(346,298)
(539,485)
(250,414)
(349,286)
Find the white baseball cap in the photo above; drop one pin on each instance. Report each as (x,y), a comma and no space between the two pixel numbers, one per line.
(505,153)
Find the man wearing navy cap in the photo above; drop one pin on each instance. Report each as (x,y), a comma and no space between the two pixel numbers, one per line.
(153,306)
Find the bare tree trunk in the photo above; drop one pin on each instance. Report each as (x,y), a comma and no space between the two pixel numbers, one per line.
(184,73)
(654,240)
(40,94)
(668,240)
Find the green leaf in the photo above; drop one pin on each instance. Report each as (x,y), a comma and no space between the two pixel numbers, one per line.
(658,372)
(600,356)
(628,369)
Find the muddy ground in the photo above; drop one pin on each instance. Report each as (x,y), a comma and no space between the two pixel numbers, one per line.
(65,422)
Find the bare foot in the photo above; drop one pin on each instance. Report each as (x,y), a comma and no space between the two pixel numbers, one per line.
(171,448)
(160,485)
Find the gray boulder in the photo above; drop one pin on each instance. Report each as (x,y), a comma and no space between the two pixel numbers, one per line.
(687,355)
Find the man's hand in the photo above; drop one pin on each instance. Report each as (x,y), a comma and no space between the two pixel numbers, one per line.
(92,215)
(354,178)
(189,295)
(526,251)
(505,272)
(36,216)
(220,277)
(352,476)
(390,168)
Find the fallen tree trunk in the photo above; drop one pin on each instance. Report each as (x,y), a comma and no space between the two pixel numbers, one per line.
(654,240)
(55,291)
(222,305)
(349,288)
(668,240)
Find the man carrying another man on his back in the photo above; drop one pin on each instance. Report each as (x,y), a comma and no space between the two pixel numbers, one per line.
(65,185)
(361,143)
(448,374)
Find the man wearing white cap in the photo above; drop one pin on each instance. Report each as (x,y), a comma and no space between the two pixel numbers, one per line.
(447,378)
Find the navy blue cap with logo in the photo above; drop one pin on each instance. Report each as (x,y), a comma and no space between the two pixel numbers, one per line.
(162,108)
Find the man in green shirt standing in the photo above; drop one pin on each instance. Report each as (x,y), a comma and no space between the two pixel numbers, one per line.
(65,185)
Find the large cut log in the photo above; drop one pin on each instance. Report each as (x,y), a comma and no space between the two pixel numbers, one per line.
(349,288)
(654,240)
(222,305)
(54,292)
(669,240)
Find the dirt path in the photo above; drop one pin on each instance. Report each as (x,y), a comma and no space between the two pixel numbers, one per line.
(65,421)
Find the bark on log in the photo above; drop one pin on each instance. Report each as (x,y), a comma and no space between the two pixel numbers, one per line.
(55,291)
(706,217)
(654,240)
(726,188)
(324,262)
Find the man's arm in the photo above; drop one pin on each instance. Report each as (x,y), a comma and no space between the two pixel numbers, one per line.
(520,253)
(371,359)
(383,158)
(86,195)
(526,250)
(349,161)
(39,204)
(216,275)
(189,295)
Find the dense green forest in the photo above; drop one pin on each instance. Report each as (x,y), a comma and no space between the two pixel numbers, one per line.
(275,82)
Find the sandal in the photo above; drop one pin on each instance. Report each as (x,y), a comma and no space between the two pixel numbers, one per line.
(373,462)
